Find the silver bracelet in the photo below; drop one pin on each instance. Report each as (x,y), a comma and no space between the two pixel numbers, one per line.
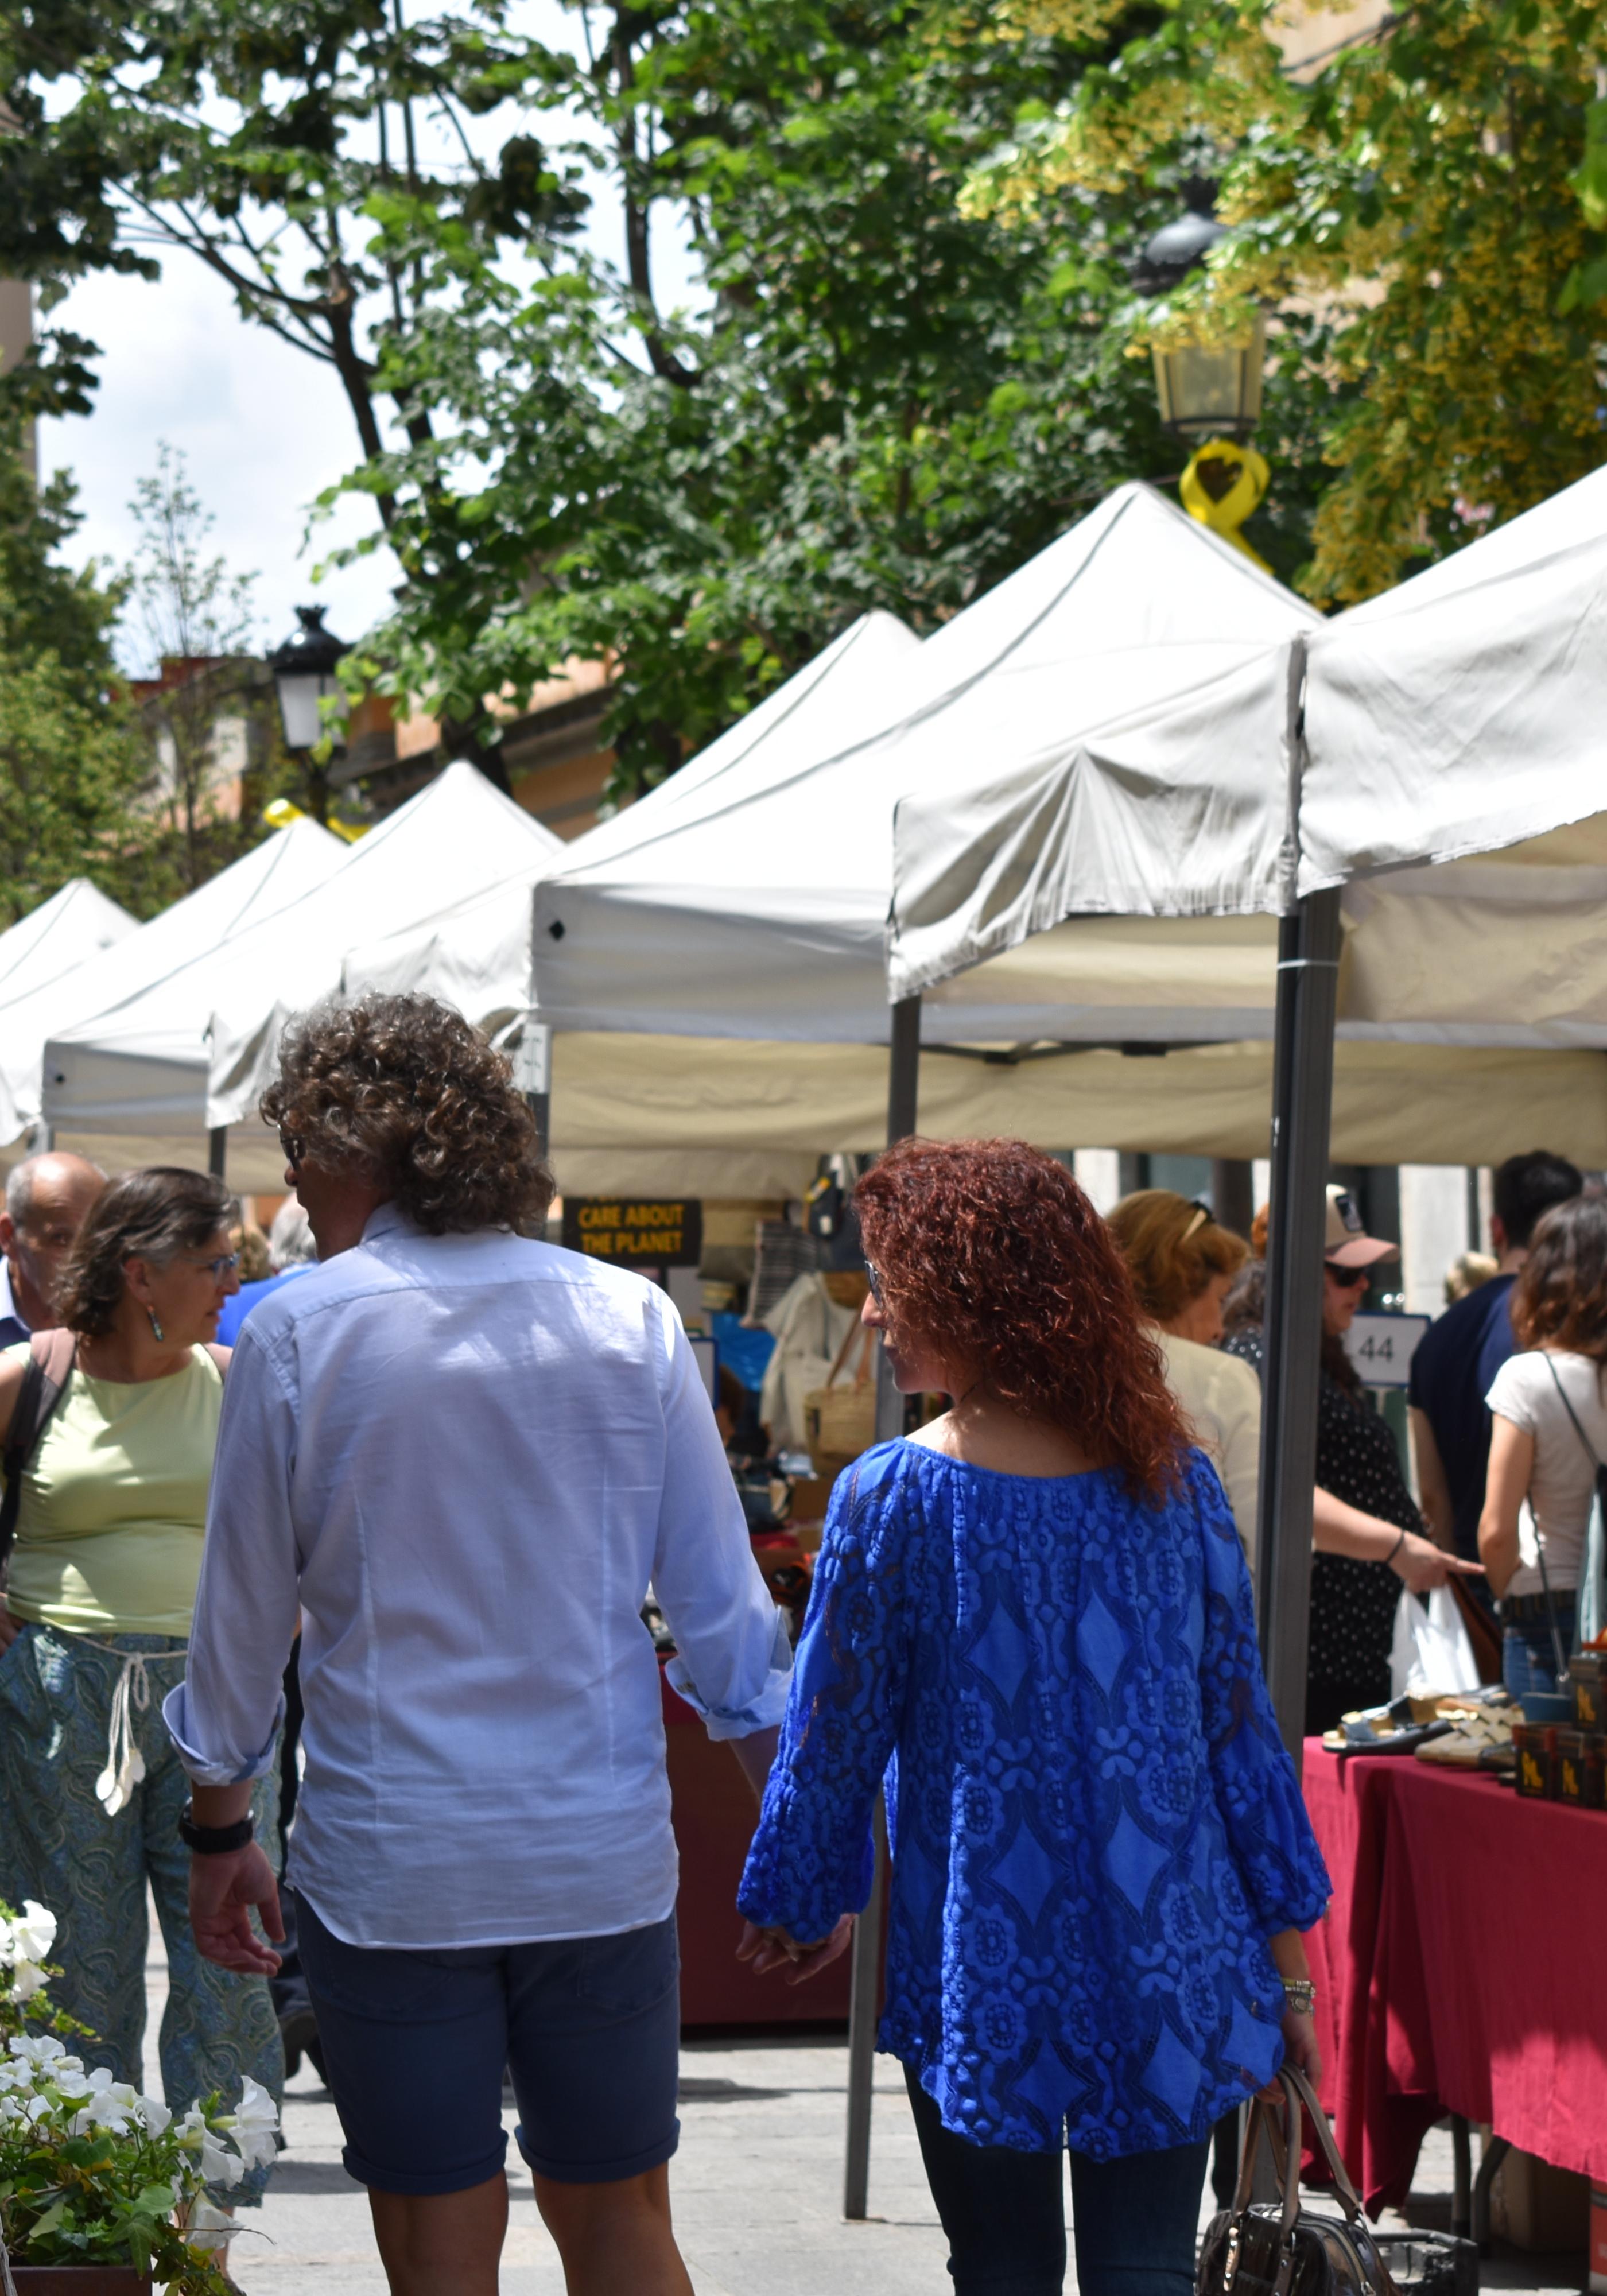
(1299,1994)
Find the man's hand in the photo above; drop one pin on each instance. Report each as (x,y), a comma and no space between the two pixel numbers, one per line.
(222,1893)
(775,1948)
(10,1628)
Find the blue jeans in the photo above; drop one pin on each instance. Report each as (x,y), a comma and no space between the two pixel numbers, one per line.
(1528,1659)
(1136,2220)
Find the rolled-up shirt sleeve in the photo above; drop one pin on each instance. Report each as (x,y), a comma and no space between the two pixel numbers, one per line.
(734,1661)
(224,1716)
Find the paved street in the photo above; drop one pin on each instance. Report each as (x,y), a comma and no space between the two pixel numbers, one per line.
(757,2192)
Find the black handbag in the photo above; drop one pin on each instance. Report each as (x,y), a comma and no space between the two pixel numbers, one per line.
(1279,2248)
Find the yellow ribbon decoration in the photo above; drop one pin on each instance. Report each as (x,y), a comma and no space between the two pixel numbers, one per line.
(1225,511)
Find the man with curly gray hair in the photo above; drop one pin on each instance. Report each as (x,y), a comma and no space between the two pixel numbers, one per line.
(462,1453)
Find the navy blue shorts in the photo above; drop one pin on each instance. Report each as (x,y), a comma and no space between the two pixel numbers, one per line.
(416,2043)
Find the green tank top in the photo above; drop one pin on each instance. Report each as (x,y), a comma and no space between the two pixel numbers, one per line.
(114,1505)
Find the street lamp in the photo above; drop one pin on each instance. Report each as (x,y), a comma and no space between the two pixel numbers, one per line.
(304,672)
(1207,391)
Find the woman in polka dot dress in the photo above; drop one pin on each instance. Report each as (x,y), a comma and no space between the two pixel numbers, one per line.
(1367,1530)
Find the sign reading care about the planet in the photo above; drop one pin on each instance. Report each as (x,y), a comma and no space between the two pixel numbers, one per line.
(665,1232)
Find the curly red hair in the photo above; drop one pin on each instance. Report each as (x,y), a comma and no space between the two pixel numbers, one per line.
(990,1248)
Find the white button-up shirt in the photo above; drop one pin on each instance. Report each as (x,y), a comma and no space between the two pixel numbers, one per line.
(464,1457)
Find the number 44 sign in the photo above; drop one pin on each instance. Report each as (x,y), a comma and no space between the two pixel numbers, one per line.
(1381,1347)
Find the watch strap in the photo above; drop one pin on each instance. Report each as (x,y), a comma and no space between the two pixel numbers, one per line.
(214,1840)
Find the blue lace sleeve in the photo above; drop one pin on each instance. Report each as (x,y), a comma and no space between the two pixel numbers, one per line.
(1256,1791)
(810,1859)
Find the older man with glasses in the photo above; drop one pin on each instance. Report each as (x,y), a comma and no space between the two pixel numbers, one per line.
(47,1199)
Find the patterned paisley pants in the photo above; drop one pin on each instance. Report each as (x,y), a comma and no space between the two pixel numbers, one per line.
(57,1844)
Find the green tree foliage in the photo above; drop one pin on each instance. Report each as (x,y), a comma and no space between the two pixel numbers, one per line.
(884,402)
(71,767)
(876,399)
(1439,188)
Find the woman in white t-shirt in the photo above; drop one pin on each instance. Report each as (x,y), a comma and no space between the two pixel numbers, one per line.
(1182,1263)
(1549,1415)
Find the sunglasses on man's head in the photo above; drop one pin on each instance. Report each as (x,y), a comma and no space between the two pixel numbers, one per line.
(1352,1278)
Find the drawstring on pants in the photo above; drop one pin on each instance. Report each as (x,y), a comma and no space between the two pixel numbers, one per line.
(125,1763)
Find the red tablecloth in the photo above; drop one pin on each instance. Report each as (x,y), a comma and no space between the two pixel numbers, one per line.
(1460,1967)
(714,1813)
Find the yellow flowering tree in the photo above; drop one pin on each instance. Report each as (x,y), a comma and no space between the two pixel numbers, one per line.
(1436,188)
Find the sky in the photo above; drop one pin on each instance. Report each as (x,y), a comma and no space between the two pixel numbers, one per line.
(263,428)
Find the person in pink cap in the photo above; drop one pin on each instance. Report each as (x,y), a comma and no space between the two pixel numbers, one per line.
(1365,1528)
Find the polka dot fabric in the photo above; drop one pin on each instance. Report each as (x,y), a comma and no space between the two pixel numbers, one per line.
(1352,1604)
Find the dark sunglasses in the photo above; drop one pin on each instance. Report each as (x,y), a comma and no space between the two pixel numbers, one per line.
(874,1274)
(293,1148)
(1354,1279)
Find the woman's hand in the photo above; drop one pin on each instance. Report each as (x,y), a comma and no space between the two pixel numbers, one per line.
(1423,1565)
(1300,2048)
(778,1948)
(10,1628)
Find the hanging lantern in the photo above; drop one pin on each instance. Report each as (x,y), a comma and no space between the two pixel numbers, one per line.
(1207,391)
(304,673)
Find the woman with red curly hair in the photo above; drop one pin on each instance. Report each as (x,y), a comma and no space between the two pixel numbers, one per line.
(1035,1616)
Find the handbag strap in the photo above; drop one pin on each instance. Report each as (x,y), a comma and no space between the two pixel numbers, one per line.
(1298,2095)
(1295,2079)
(1590,1448)
(49,1367)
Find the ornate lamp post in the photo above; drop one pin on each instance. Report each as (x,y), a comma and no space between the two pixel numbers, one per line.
(1210,392)
(303,675)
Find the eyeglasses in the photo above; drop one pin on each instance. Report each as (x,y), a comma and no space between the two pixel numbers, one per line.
(1352,1279)
(225,1263)
(293,1148)
(874,1274)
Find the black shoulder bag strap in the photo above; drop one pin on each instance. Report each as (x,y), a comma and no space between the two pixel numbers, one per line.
(50,1358)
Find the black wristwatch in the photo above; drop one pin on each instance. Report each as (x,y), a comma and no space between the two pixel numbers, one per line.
(214,1840)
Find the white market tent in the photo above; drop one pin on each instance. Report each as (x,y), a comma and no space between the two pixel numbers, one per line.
(755,906)
(74,925)
(146,1068)
(261,883)
(711,961)
(718,986)
(1442,714)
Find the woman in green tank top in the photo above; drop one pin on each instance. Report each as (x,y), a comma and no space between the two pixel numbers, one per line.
(93,1630)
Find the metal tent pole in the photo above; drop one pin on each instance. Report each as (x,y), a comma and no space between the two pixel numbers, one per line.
(218,1150)
(1308,952)
(533,1075)
(902,1093)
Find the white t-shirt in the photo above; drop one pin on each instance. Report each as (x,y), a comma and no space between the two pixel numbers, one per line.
(1563,1476)
(1221,1398)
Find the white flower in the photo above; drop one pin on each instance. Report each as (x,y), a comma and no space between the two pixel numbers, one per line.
(33,1931)
(252,2125)
(41,2050)
(110,2104)
(209,2228)
(154,2115)
(217,2166)
(26,1980)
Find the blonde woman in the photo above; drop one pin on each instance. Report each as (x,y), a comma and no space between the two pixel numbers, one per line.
(1183,1261)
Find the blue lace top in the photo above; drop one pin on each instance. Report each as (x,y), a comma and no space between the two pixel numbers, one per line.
(1094,1825)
